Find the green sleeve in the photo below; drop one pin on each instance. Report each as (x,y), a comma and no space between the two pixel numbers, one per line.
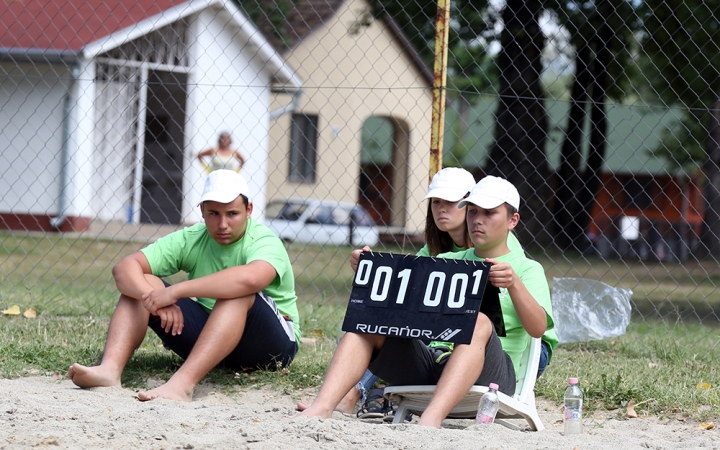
(536,283)
(269,248)
(165,254)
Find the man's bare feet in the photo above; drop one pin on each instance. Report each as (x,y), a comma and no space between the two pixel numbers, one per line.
(346,405)
(169,390)
(427,422)
(97,376)
(302,406)
(315,411)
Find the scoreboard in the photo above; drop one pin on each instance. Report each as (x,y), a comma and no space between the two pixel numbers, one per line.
(426,298)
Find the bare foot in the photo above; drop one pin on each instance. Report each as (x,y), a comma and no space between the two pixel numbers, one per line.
(87,377)
(339,408)
(168,390)
(429,423)
(346,405)
(302,406)
(314,411)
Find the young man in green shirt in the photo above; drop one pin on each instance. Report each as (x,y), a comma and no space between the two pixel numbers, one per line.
(491,214)
(245,316)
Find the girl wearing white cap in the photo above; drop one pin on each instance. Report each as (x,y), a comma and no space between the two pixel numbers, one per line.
(445,231)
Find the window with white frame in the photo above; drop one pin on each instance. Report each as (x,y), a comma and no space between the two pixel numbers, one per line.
(303,148)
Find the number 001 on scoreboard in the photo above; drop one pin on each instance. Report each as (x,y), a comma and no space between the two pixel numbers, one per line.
(419,297)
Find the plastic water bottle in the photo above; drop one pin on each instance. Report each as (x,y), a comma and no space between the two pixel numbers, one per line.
(573,408)
(488,406)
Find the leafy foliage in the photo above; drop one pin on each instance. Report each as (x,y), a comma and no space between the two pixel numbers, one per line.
(680,41)
(470,68)
(616,19)
(273,11)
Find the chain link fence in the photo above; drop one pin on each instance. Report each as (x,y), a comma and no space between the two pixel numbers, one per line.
(605,115)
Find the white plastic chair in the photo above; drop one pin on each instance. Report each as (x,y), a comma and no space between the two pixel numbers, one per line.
(415,399)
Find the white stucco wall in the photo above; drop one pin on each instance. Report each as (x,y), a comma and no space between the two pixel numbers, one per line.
(81,145)
(32,100)
(228,91)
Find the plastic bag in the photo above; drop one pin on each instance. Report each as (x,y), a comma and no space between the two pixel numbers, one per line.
(586,310)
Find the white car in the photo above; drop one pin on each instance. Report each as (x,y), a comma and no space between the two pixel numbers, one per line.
(311,221)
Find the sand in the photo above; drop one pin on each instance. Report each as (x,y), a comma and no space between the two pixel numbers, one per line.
(41,412)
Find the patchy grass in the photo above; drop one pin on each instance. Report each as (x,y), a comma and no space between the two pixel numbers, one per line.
(670,349)
(666,370)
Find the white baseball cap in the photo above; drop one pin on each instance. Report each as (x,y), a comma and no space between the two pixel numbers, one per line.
(224,186)
(450,184)
(491,192)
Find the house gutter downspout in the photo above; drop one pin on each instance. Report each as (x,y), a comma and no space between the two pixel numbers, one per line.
(64,202)
(291,107)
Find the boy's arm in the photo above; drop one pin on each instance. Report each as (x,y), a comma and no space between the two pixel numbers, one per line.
(233,282)
(130,273)
(532,316)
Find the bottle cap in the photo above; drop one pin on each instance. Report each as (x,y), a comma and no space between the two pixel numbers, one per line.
(493,386)
(573,380)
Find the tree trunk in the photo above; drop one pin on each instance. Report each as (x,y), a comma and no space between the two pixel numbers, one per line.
(518,152)
(711,222)
(569,181)
(598,135)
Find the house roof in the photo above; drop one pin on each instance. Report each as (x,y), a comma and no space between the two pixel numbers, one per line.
(70,24)
(304,16)
(70,28)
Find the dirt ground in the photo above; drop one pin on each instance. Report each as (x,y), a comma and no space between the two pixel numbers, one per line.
(40,412)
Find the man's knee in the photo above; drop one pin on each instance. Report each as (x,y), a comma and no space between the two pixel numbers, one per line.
(155,282)
(483,328)
(240,304)
(375,340)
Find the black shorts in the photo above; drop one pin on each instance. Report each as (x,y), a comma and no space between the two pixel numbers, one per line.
(268,341)
(403,362)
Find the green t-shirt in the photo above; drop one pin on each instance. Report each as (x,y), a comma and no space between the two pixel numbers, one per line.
(513,244)
(425,251)
(549,337)
(194,251)
(533,277)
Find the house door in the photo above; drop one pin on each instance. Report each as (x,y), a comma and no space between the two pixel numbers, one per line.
(383,171)
(162,172)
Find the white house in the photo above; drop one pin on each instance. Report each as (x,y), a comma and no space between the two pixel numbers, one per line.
(104,105)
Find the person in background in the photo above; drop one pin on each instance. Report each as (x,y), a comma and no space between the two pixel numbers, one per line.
(222,156)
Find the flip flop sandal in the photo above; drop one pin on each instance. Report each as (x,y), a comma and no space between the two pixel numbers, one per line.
(390,414)
(374,406)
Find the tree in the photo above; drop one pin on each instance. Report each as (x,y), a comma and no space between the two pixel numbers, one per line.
(601,33)
(681,44)
(518,152)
